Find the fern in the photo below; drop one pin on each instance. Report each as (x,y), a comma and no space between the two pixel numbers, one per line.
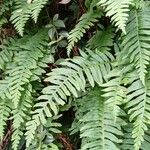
(135,42)
(98,130)
(67,85)
(18,76)
(45,133)
(21,15)
(24,11)
(102,39)
(5,57)
(128,141)
(37,6)
(20,114)
(138,104)
(26,67)
(5,111)
(115,93)
(106,82)
(146,143)
(85,22)
(118,11)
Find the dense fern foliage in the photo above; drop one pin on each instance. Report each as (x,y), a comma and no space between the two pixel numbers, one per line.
(75,75)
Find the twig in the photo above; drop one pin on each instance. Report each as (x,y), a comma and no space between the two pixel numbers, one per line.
(82,10)
(65,141)
(6,139)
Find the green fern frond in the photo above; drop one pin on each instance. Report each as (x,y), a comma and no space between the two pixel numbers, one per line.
(31,127)
(128,141)
(37,6)
(135,43)
(75,68)
(16,136)
(86,21)
(102,39)
(67,81)
(5,57)
(28,62)
(98,130)
(24,11)
(20,71)
(50,127)
(138,106)
(146,144)
(118,11)
(18,77)
(139,3)
(20,15)
(5,111)
(114,92)
(20,114)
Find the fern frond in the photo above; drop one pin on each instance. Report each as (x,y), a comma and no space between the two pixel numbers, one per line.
(37,6)
(20,16)
(67,81)
(98,130)
(114,92)
(5,57)
(138,106)
(20,71)
(86,21)
(117,10)
(128,141)
(139,3)
(146,143)
(18,77)
(20,114)
(135,43)
(102,39)
(28,60)
(24,11)
(5,111)
(50,127)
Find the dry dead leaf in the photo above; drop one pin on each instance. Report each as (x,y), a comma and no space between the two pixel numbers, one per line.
(64,1)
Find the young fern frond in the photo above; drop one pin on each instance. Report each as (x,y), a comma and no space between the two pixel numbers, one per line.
(118,11)
(135,43)
(86,21)
(97,129)
(67,81)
